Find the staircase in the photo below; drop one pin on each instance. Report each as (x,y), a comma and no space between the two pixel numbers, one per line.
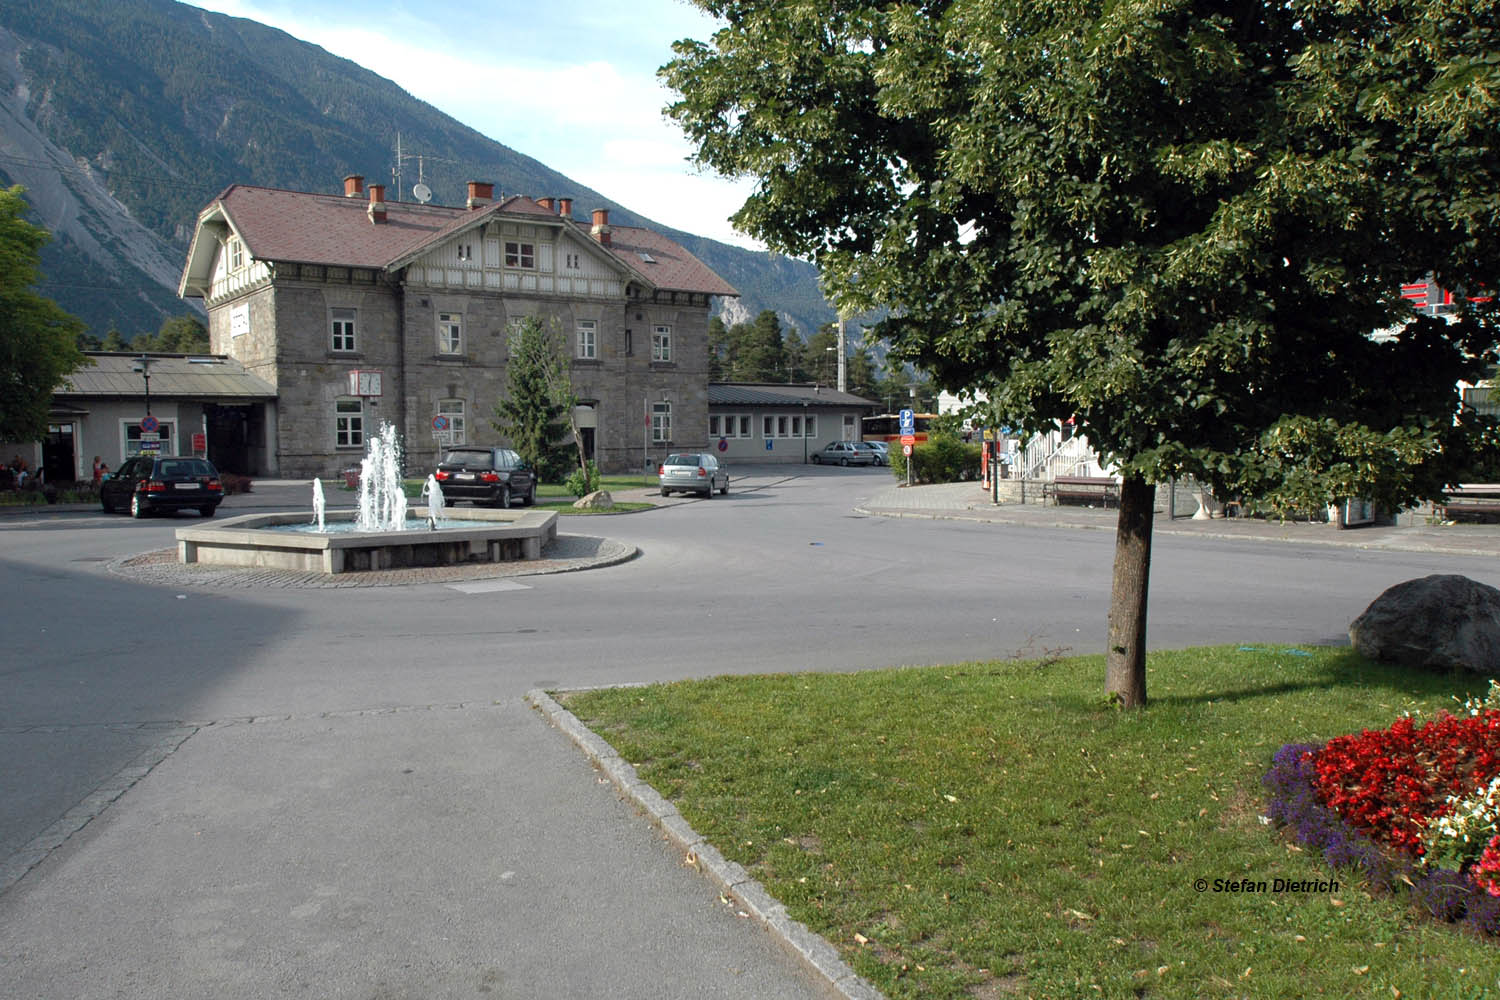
(1047,456)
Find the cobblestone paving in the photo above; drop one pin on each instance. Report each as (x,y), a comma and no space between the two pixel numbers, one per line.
(569,553)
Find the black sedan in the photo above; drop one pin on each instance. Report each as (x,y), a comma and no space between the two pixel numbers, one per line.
(494,476)
(146,484)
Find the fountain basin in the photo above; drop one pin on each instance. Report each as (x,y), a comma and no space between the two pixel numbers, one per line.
(476,536)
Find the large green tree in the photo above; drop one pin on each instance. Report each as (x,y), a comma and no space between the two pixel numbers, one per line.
(38,341)
(1176,223)
(536,411)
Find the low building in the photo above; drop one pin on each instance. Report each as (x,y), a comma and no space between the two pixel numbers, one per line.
(205,405)
(360,311)
(767,422)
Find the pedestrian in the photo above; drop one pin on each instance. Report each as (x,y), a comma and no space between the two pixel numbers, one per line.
(98,471)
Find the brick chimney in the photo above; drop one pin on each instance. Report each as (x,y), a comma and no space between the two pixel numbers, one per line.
(376,209)
(546,203)
(600,230)
(481,193)
(565,207)
(354,186)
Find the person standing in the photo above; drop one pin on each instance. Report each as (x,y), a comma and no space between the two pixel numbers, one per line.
(98,471)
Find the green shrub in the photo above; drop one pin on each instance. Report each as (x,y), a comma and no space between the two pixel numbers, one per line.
(942,459)
(581,484)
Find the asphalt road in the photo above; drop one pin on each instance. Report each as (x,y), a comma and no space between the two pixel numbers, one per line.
(340,793)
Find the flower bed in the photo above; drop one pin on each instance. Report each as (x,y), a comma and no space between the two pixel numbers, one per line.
(1415,805)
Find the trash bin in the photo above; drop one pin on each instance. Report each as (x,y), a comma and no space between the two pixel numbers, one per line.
(351,477)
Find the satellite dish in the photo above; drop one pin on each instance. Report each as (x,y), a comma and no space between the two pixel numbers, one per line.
(422,192)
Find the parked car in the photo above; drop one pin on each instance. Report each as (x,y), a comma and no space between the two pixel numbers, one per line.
(146,484)
(693,472)
(842,453)
(493,476)
(879,449)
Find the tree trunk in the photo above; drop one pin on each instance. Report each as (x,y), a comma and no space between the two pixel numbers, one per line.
(1125,662)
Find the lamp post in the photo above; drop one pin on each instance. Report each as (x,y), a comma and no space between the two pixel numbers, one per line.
(143,365)
(804,432)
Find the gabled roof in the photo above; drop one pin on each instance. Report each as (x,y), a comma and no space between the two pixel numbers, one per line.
(299,227)
(173,376)
(776,394)
(664,263)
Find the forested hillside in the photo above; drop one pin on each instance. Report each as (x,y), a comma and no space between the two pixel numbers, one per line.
(123,119)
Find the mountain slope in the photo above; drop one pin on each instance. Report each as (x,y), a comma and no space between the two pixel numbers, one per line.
(123,119)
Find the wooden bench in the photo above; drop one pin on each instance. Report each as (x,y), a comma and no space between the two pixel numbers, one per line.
(1481,500)
(1103,490)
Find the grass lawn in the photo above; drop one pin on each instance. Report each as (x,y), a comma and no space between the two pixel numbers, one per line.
(994,829)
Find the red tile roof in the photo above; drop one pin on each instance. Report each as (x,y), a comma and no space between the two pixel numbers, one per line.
(669,266)
(300,227)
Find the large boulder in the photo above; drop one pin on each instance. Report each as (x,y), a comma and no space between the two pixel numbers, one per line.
(597,500)
(1439,622)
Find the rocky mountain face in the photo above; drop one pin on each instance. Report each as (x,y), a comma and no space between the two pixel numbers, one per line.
(123,119)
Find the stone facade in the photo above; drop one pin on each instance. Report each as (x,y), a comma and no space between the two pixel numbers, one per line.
(630,308)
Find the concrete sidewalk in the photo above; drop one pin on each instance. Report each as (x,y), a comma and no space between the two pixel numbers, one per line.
(971,502)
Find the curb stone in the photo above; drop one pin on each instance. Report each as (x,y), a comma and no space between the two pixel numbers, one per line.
(731,878)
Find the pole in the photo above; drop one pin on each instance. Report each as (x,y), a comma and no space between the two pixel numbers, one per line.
(804,432)
(646,440)
(843,382)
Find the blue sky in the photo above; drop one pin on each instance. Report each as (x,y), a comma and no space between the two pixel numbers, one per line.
(591,106)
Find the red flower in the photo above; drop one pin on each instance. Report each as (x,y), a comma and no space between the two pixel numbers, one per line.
(1390,782)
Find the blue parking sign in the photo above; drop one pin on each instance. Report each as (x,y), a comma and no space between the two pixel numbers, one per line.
(908,422)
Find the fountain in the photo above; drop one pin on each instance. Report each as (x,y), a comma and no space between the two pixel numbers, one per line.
(435,505)
(320,506)
(378,535)
(382,495)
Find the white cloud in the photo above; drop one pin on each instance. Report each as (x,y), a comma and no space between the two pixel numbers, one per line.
(576,108)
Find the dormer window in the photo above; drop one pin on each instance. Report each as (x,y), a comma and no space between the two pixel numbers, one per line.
(522,255)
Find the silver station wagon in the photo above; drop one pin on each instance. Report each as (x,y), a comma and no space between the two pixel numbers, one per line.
(693,472)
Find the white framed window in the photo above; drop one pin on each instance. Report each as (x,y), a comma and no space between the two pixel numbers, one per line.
(796,426)
(661,422)
(810,425)
(453,409)
(588,340)
(349,423)
(518,254)
(768,426)
(661,343)
(729,425)
(236,253)
(342,323)
(450,333)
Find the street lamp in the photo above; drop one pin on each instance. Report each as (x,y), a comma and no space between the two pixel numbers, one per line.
(804,432)
(143,365)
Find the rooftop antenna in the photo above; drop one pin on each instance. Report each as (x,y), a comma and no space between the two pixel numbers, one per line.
(421,191)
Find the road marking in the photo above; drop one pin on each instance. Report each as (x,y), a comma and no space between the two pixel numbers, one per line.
(487,586)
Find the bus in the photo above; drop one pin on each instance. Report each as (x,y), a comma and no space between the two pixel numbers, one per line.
(887,427)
